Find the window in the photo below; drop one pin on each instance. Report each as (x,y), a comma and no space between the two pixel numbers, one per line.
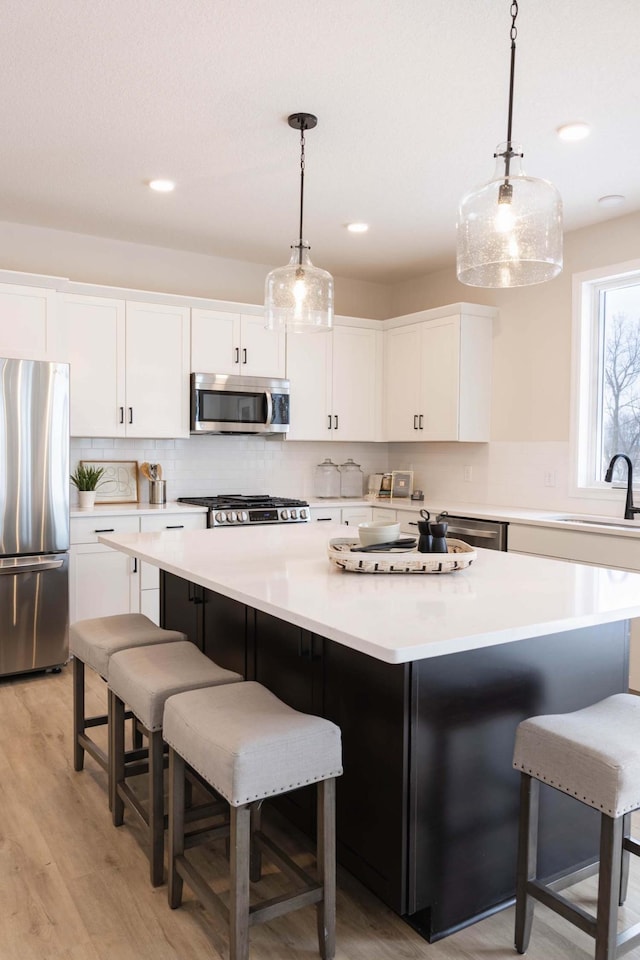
(607,351)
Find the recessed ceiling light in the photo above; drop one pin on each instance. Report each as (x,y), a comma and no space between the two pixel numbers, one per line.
(611,200)
(574,131)
(162,186)
(357,227)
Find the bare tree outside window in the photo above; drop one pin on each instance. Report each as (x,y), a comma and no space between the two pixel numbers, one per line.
(620,372)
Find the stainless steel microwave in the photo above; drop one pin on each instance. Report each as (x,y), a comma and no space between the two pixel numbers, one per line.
(228,404)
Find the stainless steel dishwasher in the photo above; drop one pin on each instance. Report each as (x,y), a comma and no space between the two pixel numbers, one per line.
(490,534)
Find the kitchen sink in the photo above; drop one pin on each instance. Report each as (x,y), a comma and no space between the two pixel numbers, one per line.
(620,524)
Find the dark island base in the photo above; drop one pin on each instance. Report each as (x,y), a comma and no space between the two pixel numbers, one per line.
(428,803)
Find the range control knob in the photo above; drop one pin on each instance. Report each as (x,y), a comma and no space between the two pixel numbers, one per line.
(294,514)
(303,514)
(220,517)
(243,516)
(231,516)
(284,514)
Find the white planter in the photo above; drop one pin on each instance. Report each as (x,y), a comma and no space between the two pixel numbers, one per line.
(86,499)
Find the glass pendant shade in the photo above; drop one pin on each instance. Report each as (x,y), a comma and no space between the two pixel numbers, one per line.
(509,230)
(299,297)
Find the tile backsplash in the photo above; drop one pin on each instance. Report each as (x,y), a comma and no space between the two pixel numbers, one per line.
(534,475)
(203,466)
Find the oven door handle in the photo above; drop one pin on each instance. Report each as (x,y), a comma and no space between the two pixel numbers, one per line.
(269,399)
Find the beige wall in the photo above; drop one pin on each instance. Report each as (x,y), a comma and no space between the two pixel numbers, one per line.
(532,339)
(117,263)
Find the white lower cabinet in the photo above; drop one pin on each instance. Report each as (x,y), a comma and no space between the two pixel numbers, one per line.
(596,549)
(104,582)
(348,515)
(356,515)
(150,575)
(384,513)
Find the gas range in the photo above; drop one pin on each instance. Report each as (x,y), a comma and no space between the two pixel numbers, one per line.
(229,510)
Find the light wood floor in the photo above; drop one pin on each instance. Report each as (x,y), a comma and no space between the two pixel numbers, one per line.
(72,887)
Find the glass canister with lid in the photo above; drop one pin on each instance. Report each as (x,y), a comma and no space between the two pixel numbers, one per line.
(351,480)
(326,480)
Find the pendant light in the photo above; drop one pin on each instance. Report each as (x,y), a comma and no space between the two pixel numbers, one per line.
(510,229)
(299,296)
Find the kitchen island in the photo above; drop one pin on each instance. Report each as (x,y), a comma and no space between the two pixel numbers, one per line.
(427,675)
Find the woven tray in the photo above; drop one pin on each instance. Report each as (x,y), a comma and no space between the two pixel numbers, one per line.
(460,555)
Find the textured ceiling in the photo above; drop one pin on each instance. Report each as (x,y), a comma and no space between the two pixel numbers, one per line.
(99,97)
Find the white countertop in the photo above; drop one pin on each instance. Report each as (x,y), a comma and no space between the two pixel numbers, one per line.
(283,570)
(606,525)
(135,509)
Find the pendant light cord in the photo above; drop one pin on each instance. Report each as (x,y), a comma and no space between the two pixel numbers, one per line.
(300,235)
(513,34)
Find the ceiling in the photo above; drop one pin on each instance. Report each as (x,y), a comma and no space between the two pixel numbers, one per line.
(411,95)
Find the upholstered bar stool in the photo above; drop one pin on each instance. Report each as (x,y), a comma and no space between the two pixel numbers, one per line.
(92,643)
(248,745)
(593,755)
(143,678)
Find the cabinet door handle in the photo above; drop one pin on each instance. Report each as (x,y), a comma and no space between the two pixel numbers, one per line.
(175,526)
(420,419)
(415,421)
(329,419)
(323,519)
(135,565)
(237,352)
(121,414)
(335,417)
(244,354)
(130,414)
(106,530)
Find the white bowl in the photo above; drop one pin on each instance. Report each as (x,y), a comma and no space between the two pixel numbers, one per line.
(378,531)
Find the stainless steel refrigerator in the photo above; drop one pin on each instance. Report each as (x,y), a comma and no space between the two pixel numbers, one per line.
(34,515)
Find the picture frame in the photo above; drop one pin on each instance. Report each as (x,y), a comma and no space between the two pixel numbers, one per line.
(401,484)
(119,482)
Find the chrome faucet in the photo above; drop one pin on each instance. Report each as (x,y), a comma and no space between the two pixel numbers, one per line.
(629,508)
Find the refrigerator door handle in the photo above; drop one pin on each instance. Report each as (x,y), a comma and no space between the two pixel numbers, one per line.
(19,565)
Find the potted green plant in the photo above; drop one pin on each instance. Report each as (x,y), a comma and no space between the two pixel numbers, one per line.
(87,480)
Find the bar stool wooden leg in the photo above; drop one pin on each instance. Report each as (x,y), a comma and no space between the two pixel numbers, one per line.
(116,758)
(626,859)
(239,899)
(78,713)
(609,887)
(176,826)
(527,859)
(326,858)
(156,808)
(256,853)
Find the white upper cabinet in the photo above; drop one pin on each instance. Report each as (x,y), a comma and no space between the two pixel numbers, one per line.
(335,384)
(26,318)
(90,333)
(157,370)
(438,379)
(235,343)
(129,367)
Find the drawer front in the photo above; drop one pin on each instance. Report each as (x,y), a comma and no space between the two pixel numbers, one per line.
(356,515)
(383,513)
(175,521)
(88,529)
(326,514)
